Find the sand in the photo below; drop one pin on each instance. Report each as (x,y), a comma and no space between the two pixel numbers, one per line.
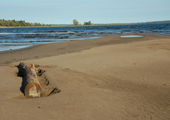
(109,78)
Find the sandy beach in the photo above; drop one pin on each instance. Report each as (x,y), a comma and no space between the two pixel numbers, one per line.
(108,78)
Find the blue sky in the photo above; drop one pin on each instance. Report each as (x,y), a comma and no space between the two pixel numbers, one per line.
(96,11)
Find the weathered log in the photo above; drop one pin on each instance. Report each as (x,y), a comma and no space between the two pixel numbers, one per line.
(31,85)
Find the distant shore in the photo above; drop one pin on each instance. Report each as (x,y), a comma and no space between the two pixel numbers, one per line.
(61,26)
(107,24)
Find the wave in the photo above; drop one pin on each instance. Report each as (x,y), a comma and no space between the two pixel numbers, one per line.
(67,32)
(52,32)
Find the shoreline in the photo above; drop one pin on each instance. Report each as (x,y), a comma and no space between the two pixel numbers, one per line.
(104,78)
(67,47)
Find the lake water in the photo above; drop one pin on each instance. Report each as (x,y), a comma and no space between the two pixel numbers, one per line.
(16,38)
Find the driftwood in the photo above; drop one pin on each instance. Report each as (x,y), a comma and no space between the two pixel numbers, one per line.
(31,85)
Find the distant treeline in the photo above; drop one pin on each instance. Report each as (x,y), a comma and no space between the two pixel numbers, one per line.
(15,23)
(75,22)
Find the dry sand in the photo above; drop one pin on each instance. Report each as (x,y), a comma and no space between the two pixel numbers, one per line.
(109,78)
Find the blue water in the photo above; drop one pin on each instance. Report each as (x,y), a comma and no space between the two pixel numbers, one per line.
(16,38)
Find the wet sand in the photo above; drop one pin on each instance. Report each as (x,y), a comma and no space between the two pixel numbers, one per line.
(109,78)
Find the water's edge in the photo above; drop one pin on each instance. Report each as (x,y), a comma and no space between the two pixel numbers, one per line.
(17,38)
